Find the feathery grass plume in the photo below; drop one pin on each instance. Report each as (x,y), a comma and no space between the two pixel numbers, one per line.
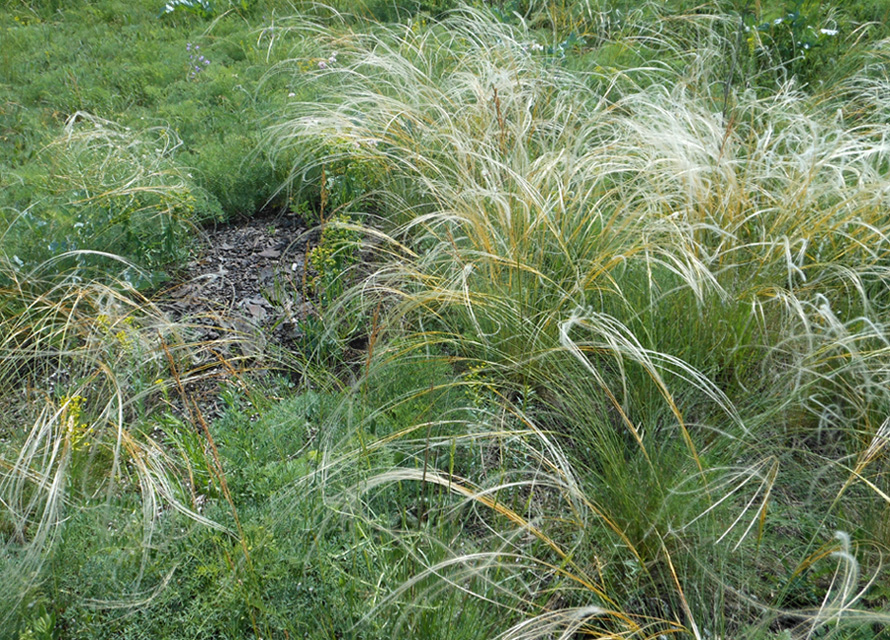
(482,490)
(81,362)
(106,189)
(671,309)
(463,120)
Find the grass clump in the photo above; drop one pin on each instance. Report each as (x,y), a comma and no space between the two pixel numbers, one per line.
(105,190)
(82,363)
(669,312)
(134,67)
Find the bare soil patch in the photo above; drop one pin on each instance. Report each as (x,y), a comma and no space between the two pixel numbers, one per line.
(242,297)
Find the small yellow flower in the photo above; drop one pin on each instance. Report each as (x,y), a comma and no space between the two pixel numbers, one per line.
(76,430)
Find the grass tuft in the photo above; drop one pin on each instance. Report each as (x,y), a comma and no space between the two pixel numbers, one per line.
(665,302)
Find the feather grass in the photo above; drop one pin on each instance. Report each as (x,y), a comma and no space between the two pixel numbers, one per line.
(85,359)
(686,301)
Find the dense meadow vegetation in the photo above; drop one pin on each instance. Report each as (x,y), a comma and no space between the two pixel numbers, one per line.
(604,336)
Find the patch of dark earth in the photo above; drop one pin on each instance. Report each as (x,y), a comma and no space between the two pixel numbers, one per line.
(241,299)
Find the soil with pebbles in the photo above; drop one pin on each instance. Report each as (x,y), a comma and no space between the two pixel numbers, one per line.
(242,297)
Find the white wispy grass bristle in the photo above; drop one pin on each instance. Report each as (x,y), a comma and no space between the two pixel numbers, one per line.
(635,246)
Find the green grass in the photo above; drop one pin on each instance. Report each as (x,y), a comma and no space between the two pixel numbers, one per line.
(655,283)
(124,63)
(610,360)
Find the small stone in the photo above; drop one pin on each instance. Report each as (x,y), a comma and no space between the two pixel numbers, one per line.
(258,312)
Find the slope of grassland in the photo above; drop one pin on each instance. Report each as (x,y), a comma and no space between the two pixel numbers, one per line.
(598,340)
